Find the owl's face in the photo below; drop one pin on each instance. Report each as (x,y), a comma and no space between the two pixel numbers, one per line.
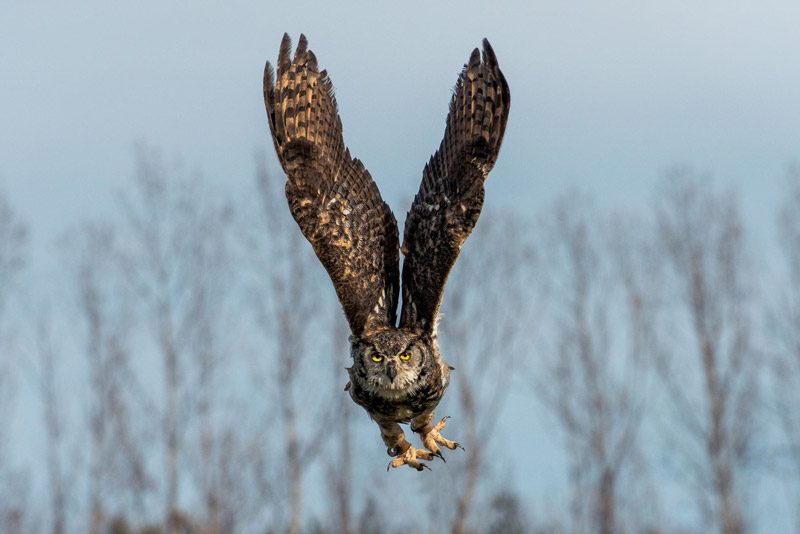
(391,363)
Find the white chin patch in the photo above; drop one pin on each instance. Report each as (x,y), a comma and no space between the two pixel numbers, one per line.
(388,384)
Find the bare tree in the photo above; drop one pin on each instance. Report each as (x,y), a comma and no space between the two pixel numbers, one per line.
(590,371)
(506,514)
(13,481)
(13,240)
(53,422)
(213,438)
(285,289)
(117,473)
(372,520)
(173,253)
(785,322)
(711,375)
(340,470)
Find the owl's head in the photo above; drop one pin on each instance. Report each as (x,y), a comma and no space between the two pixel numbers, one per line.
(391,362)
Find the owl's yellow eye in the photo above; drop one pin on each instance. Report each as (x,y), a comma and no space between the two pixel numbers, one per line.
(405,356)
(377,357)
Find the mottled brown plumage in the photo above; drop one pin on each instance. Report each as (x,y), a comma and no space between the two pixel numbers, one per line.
(450,197)
(398,374)
(331,195)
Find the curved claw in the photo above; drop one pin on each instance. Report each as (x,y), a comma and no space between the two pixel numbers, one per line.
(439,454)
(433,439)
(411,458)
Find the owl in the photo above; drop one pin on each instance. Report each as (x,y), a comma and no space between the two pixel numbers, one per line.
(398,374)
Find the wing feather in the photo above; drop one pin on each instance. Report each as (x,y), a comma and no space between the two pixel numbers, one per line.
(450,198)
(332,195)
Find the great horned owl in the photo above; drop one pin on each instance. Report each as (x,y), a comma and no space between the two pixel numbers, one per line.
(398,374)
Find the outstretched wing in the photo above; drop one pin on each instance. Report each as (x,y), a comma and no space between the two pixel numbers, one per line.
(450,197)
(331,195)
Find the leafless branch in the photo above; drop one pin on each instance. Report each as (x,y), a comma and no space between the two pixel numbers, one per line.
(703,246)
(593,377)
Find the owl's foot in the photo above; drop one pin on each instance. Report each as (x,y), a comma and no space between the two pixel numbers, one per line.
(411,458)
(432,439)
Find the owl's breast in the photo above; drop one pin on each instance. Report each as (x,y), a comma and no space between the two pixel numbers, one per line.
(398,408)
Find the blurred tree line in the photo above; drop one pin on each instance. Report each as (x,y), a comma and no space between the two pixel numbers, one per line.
(187,374)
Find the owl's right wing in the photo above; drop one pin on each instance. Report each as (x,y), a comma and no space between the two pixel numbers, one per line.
(331,195)
(450,198)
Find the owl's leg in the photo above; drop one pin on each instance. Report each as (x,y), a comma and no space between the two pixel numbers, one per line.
(401,449)
(430,433)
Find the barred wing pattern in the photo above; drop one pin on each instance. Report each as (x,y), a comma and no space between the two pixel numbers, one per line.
(450,197)
(331,195)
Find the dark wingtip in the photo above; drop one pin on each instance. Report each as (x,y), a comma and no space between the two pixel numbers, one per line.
(283,54)
(302,46)
(268,86)
(488,52)
(269,76)
(475,58)
(311,61)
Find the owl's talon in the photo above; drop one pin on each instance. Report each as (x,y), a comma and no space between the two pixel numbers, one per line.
(432,439)
(411,458)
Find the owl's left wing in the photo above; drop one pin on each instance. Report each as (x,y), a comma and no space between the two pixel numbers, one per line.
(331,194)
(450,198)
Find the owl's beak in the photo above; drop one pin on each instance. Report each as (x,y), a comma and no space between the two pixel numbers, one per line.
(391,370)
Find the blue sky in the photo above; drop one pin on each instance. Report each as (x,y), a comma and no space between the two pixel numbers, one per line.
(605,95)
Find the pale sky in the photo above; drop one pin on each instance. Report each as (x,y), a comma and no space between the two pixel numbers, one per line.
(605,95)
